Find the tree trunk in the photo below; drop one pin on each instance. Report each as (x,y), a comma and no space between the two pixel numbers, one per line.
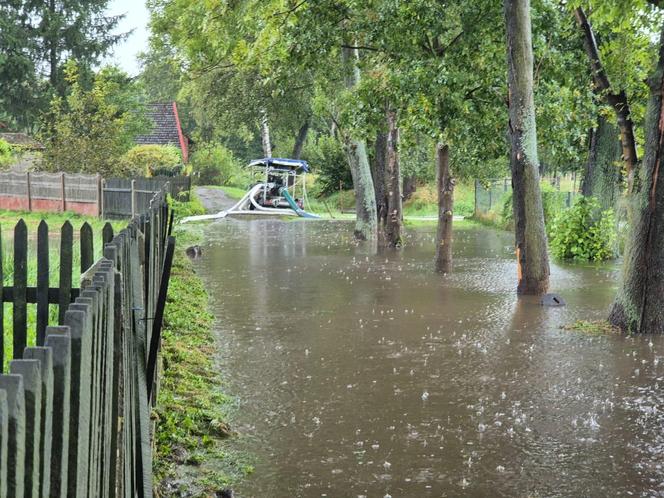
(380,158)
(265,135)
(531,250)
(602,175)
(445,187)
(409,186)
(356,152)
(393,184)
(618,101)
(301,138)
(53,41)
(639,304)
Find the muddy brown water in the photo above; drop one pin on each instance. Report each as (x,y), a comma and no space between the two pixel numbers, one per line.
(367,375)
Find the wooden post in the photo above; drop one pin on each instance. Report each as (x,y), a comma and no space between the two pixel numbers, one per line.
(62,192)
(133,198)
(29,188)
(101,198)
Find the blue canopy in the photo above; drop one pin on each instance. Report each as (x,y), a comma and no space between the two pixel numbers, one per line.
(280,163)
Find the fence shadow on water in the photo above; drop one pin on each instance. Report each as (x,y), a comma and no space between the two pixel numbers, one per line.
(75,399)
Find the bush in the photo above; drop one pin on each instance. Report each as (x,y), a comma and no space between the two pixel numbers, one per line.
(327,159)
(214,164)
(152,160)
(6,155)
(584,232)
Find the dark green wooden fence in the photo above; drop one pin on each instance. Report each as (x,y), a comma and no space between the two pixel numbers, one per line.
(42,295)
(75,406)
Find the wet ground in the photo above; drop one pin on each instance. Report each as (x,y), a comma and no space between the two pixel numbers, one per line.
(364,375)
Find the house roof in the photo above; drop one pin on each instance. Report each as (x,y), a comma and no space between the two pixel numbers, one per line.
(22,140)
(166,129)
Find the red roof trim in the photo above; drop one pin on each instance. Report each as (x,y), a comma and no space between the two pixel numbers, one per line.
(184,146)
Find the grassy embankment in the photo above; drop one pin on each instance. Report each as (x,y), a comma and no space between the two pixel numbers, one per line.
(191,456)
(8,220)
(422,204)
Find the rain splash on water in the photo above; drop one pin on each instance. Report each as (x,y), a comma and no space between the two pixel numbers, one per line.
(368,375)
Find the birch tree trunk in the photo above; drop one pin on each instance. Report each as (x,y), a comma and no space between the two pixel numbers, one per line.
(356,152)
(639,304)
(445,187)
(265,135)
(393,220)
(531,244)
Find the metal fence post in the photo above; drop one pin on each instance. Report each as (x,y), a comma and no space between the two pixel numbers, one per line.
(29,188)
(62,192)
(133,198)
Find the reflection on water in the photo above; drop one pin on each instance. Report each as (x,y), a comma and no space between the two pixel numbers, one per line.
(370,375)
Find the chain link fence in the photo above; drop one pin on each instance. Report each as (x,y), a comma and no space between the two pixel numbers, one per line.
(490,197)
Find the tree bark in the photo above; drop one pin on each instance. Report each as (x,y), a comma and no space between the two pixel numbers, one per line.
(380,159)
(409,187)
(601,178)
(530,236)
(265,135)
(53,40)
(445,187)
(618,101)
(301,138)
(356,151)
(639,304)
(393,220)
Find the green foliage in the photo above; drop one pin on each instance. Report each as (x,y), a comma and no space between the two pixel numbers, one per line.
(584,232)
(326,157)
(153,160)
(90,130)
(214,164)
(6,155)
(184,208)
(191,409)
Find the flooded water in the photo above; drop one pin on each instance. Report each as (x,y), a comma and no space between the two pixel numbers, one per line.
(364,375)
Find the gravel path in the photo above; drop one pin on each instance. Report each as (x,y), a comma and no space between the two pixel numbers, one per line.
(214,199)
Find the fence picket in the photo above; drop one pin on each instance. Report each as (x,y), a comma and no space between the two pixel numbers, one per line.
(66,262)
(20,288)
(87,247)
(42,282)
(2,310)
(107,233)
(84,392)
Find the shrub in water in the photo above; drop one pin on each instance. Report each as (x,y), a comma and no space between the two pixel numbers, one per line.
(584,232)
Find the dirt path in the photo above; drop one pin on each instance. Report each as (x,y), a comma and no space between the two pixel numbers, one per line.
(214,199)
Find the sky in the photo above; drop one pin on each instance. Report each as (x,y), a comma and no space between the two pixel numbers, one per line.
(136,19)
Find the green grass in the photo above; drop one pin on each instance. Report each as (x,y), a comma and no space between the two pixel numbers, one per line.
(191,432)
(8,220)
(592,327)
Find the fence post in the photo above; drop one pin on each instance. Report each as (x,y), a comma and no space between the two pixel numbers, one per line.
(13,385)
(101,201)
(62,192)
(29,187)
(30,370)
(99,196)
(133,198)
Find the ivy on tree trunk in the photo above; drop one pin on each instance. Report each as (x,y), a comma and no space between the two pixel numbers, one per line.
(531,244)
